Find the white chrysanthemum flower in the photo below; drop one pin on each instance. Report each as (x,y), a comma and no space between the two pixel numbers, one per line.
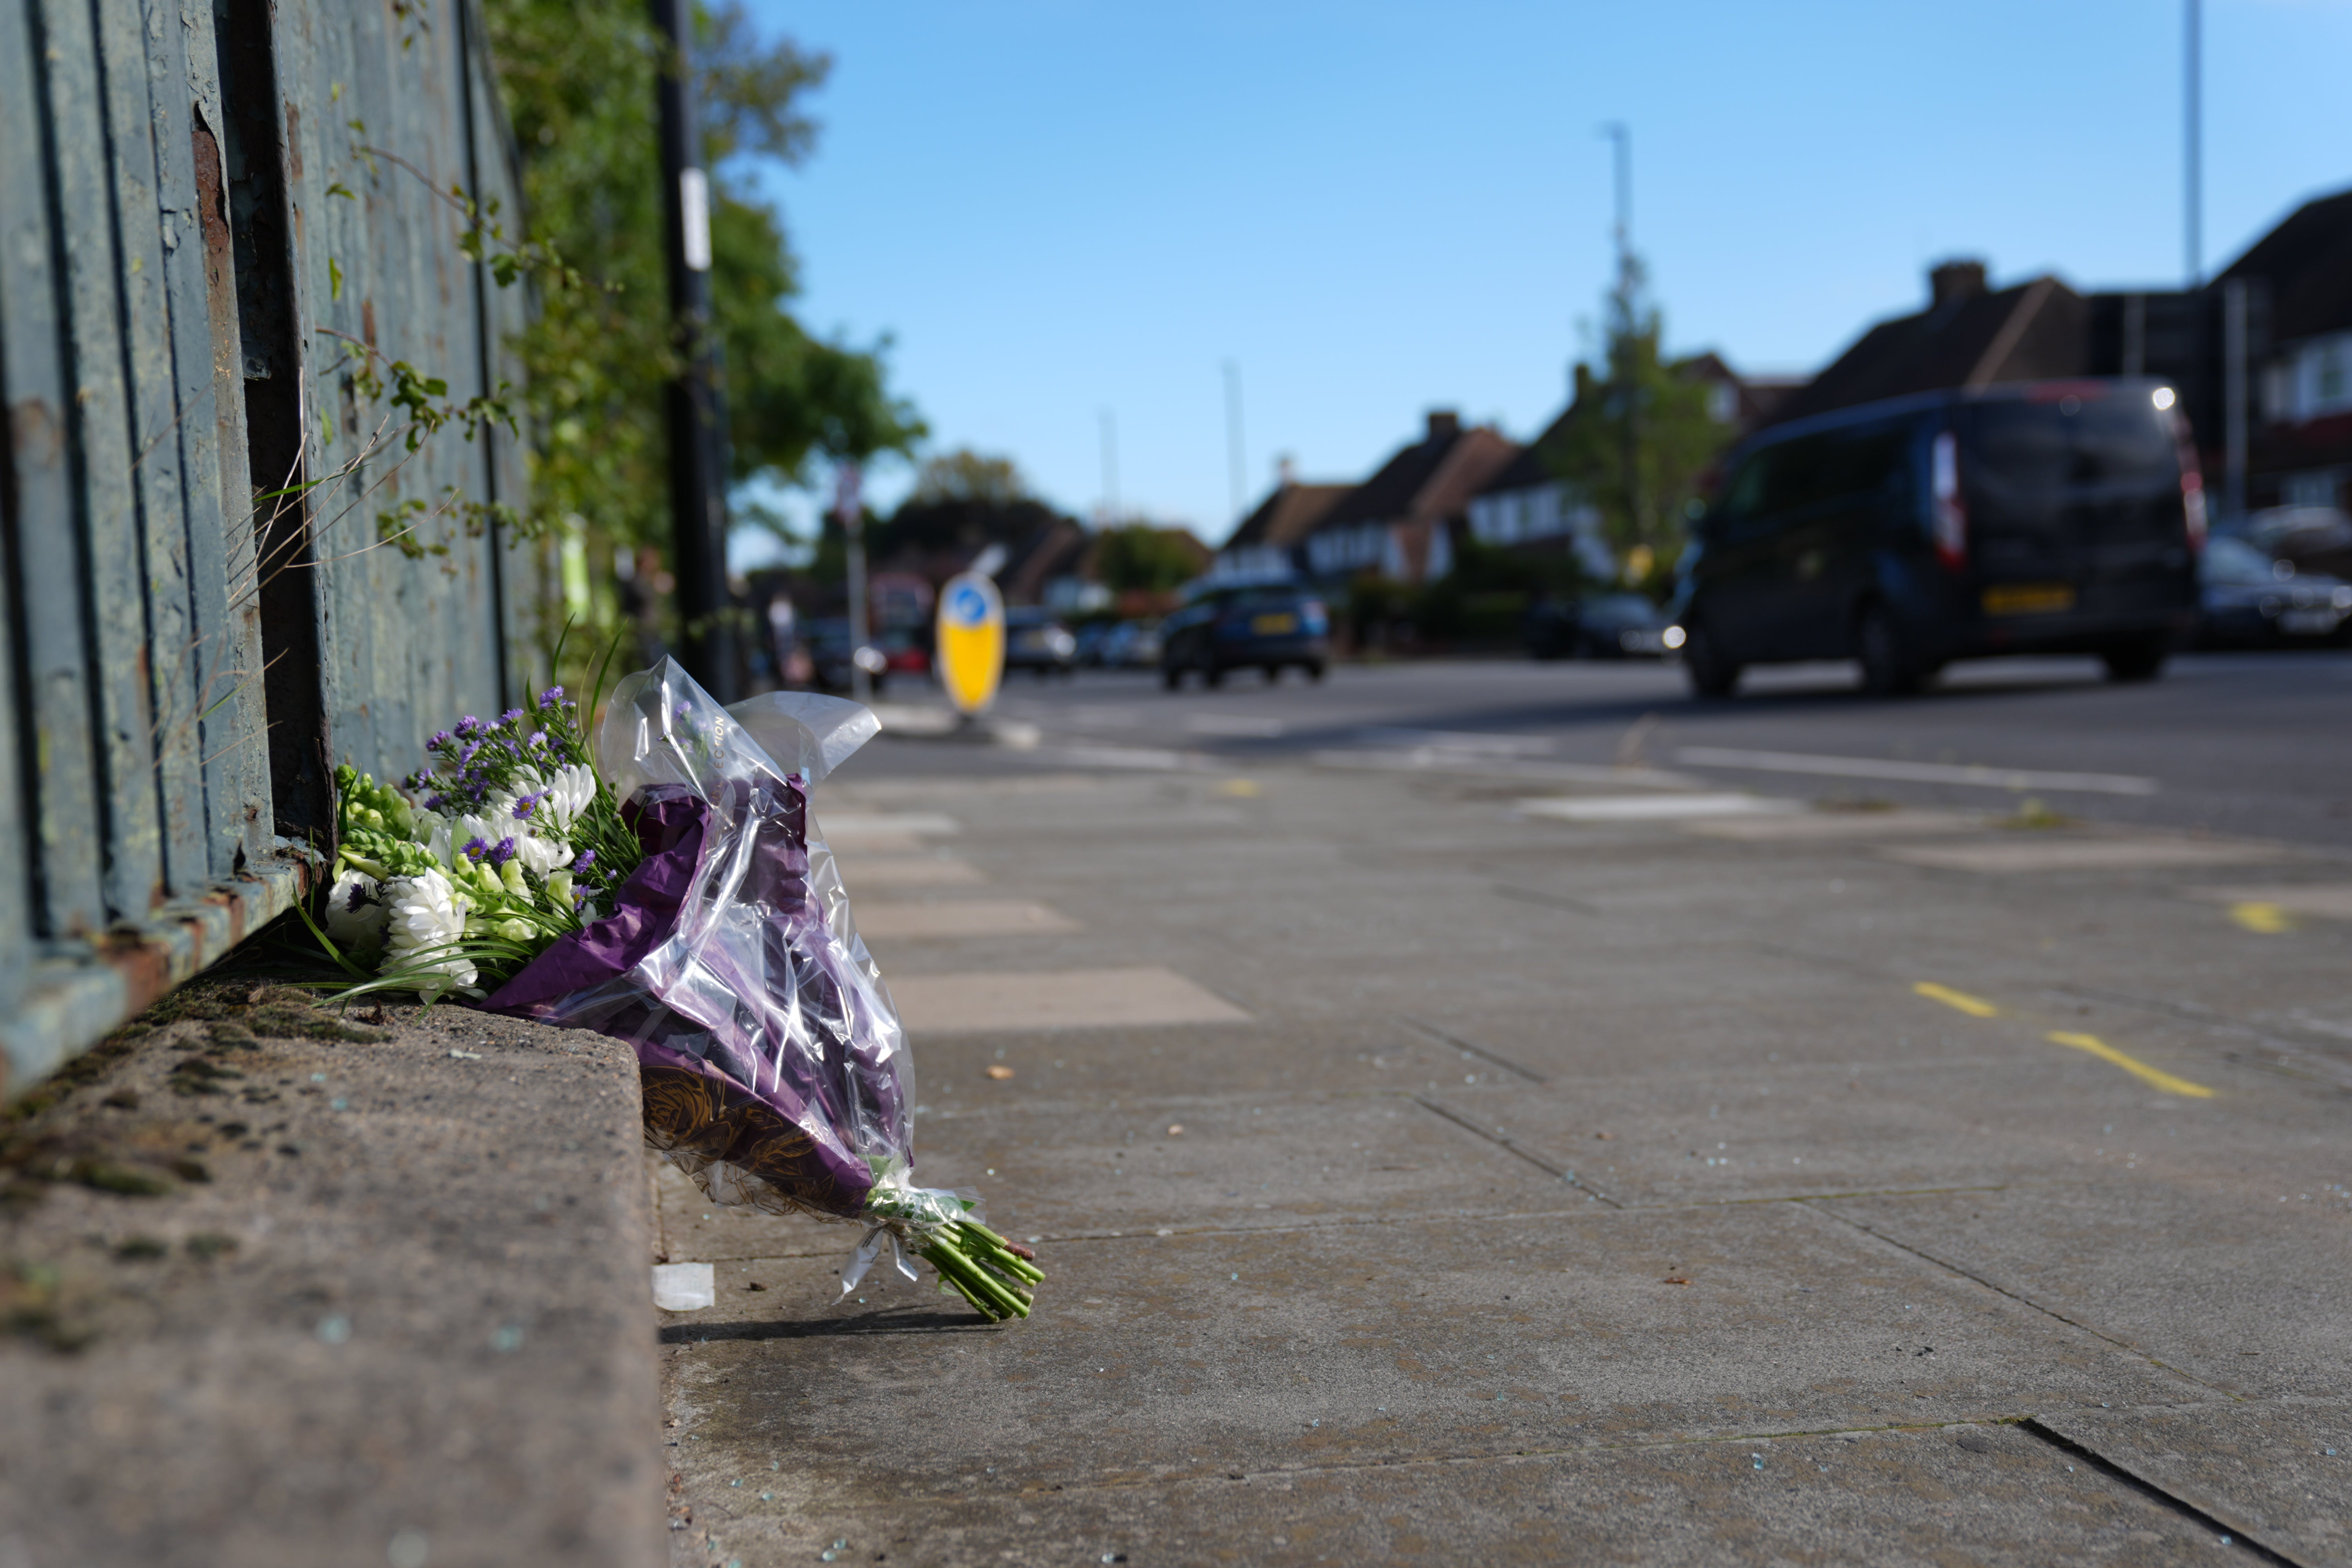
(356,912)
(427,914)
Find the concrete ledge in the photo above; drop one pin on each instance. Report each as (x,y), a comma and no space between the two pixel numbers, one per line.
(268,1298)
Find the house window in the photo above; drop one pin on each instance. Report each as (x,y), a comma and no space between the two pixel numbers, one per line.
(2328,388)
(1722,403)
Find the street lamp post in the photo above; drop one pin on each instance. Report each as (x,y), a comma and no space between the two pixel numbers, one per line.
(697,491)
(849,510)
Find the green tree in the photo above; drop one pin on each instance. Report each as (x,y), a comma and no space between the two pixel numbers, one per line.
(1640,435)
(1137,557)
(577,79)
(962,502)
(964,475)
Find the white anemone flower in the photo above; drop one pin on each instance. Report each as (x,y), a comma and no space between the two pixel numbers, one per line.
(356,913)
(540,856)
(558,796)
(426,915)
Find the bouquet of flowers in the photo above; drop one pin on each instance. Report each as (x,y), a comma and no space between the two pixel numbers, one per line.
(664,888)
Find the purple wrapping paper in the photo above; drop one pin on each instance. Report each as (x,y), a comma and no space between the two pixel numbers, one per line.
(773,1061)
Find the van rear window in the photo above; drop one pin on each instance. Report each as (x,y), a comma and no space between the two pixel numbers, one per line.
(2070,444)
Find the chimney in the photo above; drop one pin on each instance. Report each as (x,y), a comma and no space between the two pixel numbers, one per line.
(1950,282)
(1444,424)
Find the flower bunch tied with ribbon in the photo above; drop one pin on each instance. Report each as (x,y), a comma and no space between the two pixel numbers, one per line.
(664,883)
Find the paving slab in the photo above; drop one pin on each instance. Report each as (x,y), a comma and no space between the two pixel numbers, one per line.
(1930,1497)
(992,1000)
(2276,1470)
(2231,1282)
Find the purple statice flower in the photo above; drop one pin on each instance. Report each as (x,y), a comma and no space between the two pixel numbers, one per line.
(476,848)
(551,696)
(585,858)
(359,899)
(511,715)
(502,851)
(468,724)
(440,738)
(434,803)
(538,738)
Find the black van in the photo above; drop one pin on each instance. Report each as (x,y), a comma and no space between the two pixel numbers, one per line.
(2049,517)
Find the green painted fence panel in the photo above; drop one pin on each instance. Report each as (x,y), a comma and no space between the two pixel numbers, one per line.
(227,567)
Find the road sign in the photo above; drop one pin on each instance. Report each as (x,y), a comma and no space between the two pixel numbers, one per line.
(971,641)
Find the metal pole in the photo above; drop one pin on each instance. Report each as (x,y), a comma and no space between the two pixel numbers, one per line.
(697,487)
(2233,397)
(1234,438)
(1621,370)
(2193,146)
(1110,466)
(851,512)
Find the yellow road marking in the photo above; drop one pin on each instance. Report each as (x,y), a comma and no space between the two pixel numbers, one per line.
(2138,1070)
(2269,919)
(1974,1006)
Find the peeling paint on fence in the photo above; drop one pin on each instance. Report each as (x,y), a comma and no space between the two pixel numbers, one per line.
(215,221)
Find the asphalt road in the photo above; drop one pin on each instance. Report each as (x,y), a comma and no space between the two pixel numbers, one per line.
(2254,743)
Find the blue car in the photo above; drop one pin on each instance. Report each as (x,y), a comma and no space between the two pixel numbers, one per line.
(1235,628)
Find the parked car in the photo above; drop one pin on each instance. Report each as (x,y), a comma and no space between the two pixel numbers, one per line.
(1035,640)
(2048,517)
(1129,645)
(1089,641)
(2252,600)
(830,653)
(1598,625)
(2310,538)
(1269,626)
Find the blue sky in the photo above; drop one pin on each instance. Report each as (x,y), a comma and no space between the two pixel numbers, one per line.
(1055,208)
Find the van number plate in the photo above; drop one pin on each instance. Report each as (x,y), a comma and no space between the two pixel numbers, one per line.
(2028,599)
(1274,626)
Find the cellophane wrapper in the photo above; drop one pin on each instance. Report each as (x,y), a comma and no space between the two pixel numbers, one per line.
(775,1070)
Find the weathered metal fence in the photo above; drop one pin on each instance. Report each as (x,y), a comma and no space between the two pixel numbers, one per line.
(224,234)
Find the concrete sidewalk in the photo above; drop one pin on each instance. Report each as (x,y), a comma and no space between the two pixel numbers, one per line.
(282,1290)
(1552,1190)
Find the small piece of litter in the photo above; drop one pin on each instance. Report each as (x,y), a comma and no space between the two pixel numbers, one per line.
(1237,1278)
(684,1287)
(334,1330)
(318,1077)
(1164,1231)
(338,1103)
(999,1071)
(457,1056)
(1176,1130)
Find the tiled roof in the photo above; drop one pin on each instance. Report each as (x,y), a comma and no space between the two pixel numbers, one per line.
(2034,330)
(2307,261)
(1436,477)
(1287,516)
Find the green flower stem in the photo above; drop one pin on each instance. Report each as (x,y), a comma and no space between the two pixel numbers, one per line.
(986,1245)
(994,1298)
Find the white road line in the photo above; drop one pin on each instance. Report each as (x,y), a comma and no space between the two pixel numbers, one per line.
(1236,724)
(1915,772)
(1460,741)
(1653,808)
